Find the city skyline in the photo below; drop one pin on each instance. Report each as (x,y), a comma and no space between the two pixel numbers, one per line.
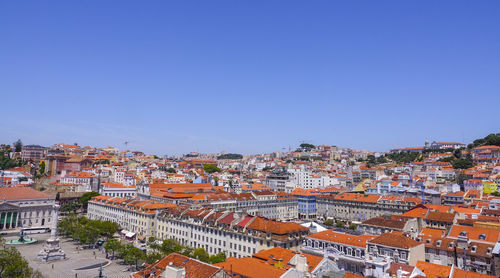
(249,77)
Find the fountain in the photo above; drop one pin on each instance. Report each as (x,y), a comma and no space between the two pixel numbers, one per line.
(21,240)
(51,250)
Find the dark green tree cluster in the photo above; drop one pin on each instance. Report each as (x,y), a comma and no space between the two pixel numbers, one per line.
(171,170)
(462,163)
(169,246)
(210,168)
(306,147)
(230,156)
(70,207)
(18,146)
(84,200)
(491,139)
(13,265)
(404,157)
(371,160)
(328,222)
(5,161)
(84,230)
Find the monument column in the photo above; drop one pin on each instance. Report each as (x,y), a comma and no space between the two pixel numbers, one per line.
(51,250)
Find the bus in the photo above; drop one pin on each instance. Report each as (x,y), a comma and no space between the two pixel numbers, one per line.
(35,230)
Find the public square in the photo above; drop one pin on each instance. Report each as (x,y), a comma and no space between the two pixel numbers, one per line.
(82,263)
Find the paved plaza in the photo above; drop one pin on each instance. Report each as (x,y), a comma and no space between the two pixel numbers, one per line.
(78,263)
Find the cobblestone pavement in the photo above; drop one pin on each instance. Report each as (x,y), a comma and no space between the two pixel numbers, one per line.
(75,259)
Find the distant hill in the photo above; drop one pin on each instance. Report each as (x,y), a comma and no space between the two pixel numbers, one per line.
(492,139)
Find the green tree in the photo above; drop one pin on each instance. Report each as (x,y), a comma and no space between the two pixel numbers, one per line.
(107,228)
(306,146)
(328,222)
(70,207)
(219,258)
(170,245)
(462,163)
(152,243)
(132,255)
(112,245)
(6,162)
(340,224)
(210,168)
(18,146)
(353,226)
(447,159)
(84,200)
(171,170)
(41,168)
(230,156)
(201,254)
(13,265)
(152,257)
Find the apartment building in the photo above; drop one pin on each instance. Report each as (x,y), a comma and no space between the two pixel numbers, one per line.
(391,247)
(360,207)
(347,250)
(468,248)
(264,203)
(381,225)
(134,216)
(235,234)
(32,152)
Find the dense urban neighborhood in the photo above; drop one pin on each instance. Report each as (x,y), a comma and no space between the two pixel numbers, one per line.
(312,211)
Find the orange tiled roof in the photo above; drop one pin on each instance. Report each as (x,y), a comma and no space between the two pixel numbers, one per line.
(277,254)
(194,268)
(251,268)
(433,270)
(395,240)
(275,227)
(353,240)
(473,233)
(14,193)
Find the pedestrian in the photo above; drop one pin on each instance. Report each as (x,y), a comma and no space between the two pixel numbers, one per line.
(76,275)
(52,266)
(93,252)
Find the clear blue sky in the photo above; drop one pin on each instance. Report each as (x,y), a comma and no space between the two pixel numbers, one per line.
(248,76)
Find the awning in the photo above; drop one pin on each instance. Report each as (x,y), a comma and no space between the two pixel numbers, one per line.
(124,232)
(140,237)
(130,234)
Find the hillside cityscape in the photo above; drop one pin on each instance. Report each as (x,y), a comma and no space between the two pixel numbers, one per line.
(249,139)
(313,211)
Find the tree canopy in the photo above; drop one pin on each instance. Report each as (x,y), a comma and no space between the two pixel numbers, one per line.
(6,162)
(210,168)
(86,198)
(13,265)
(491,139)
(306,146)
(18,145)
(230,156)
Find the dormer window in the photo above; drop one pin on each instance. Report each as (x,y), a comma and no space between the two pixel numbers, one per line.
(450,245)
(463,233)
(473,248)
(438,243)
(482,237)
(428,240)
(488,250)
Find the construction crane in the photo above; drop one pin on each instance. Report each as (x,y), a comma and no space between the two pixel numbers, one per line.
(126,144)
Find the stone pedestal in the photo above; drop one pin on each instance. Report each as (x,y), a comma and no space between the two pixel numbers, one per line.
(51,250)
